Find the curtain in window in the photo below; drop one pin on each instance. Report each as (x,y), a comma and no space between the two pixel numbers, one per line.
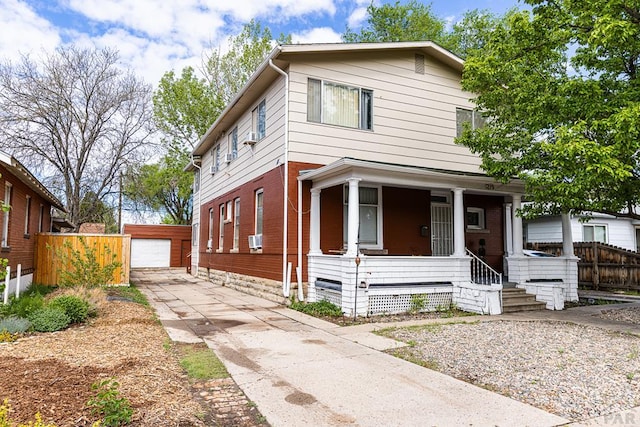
(314,103)
(341,105)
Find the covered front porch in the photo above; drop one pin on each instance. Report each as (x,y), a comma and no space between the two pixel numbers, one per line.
(390,238)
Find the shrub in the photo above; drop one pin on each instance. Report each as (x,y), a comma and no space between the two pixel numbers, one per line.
(318,308)
(83,267)
(95,297)
(14,325)
(23,306)
(115,409)
(75,307)
(49,319)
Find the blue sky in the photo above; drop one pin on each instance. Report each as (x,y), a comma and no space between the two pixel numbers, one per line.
(155,36)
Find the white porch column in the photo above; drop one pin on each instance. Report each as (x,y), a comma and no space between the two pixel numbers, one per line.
(567,238)
(314,226)
(458,222)
(508,229)
(517,225)
(353,214)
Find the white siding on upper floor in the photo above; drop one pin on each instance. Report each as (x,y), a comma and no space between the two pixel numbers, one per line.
(252,161)
(414,115)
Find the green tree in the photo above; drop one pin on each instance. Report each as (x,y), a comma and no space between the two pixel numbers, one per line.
(560,87)
(412,21)
(95,209)
(163,187)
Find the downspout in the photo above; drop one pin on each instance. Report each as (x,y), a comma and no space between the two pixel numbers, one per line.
(285,205)
(299,267)
(197,254)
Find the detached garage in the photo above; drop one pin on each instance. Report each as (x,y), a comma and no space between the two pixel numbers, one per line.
(159,246)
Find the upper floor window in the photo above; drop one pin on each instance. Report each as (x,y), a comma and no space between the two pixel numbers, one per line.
(215,153)
(594,233)
(233,143)
(259,120)
(196,181)
(341,105)
(465,115)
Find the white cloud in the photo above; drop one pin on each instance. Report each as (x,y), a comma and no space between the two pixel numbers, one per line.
(23,31)
(316,35)
(357,17)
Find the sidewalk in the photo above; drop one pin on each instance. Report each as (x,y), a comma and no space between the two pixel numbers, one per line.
(304,371)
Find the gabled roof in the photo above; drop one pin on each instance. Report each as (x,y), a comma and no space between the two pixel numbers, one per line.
(282,55)
(18,170)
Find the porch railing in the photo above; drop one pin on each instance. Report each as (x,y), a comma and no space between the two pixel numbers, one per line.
(482,273)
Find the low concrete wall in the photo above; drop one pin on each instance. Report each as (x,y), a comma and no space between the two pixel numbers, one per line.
(481,299)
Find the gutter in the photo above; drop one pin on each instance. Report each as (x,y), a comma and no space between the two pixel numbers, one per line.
(285,216)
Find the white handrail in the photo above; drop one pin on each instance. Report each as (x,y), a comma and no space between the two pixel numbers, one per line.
(482,273)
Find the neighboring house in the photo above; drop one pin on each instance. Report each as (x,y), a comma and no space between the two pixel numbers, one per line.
(603,228)
(334,153)
(30,213)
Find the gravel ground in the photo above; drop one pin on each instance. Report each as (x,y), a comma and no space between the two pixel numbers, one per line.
(629,315)
(574,371)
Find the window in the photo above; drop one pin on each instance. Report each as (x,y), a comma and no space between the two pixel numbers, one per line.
(210,236)
(221,236)
(259,120)
(341,105)
(464,115)
(233,143)
(27,215)
(475,218)
(259,210)
(236,223)
(369,216)
(594,233)
(215,153)
(40,218)
(228,212)
(5,215)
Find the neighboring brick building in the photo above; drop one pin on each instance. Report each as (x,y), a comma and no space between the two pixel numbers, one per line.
(30,213)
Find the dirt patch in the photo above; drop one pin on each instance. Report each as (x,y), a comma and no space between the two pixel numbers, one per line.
(52,373)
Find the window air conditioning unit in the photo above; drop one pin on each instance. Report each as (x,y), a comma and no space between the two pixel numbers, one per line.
(213,169)
(228,157)
(255,241)
(250,139)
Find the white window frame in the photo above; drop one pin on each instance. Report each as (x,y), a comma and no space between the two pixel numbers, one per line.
(210,235)
(27,215)
(6,215)
(259,120)
(481,218)
(593,226)
(477,120)
(345,224)
(221,235)
(365,110)
(228,212)
(236,223)
(259,192)
(196,181)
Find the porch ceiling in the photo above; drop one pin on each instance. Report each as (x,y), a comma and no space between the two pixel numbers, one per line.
(339,171)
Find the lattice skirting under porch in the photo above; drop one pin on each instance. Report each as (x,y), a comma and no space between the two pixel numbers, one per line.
(402,303)
(334,297)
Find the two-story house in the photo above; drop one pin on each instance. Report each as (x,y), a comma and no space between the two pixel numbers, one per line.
(29,213)
(336,167)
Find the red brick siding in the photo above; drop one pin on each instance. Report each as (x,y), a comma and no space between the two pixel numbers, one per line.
(177,234)
(404,212)
(331,219)
(494,225)
(21,246)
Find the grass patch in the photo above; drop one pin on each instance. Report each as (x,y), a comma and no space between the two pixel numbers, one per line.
(130,292)
(202,363)
(318,308)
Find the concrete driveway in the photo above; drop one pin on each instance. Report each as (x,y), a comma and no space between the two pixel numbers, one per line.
(300,370)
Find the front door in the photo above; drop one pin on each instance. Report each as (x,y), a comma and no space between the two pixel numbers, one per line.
(441,229)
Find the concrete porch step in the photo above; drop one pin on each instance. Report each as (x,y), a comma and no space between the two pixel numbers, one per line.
(515,299)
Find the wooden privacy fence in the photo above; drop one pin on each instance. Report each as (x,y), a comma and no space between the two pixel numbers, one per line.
(48,263)
(601,266)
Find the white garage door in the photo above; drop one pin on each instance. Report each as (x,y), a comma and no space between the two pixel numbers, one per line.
(150,253)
